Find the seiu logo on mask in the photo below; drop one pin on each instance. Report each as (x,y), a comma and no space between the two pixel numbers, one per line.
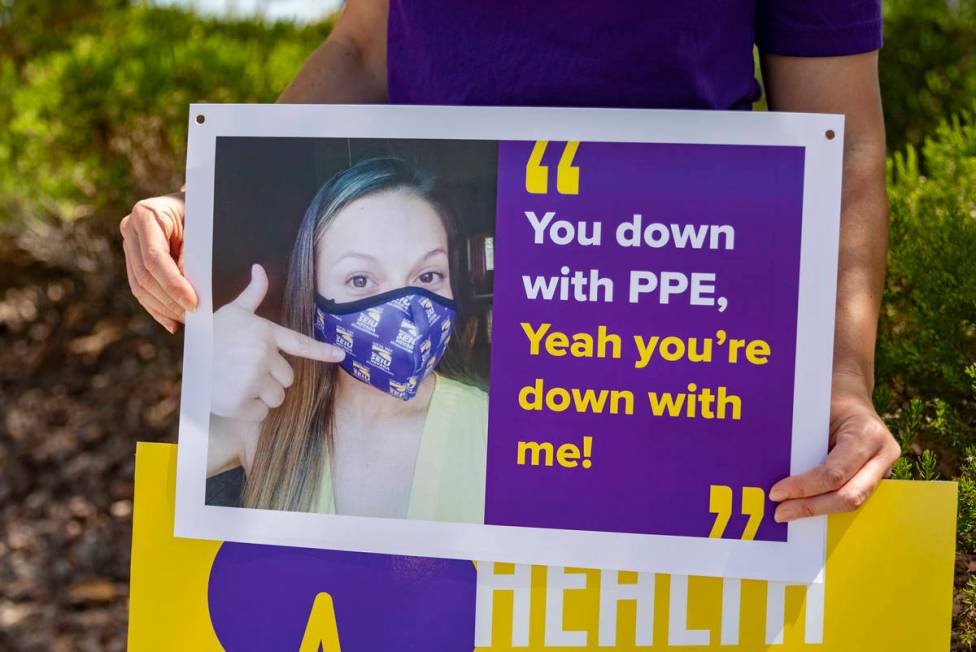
(344,336)
(368,320)
(402,336)
(381,357)
(360,371)
(404,390)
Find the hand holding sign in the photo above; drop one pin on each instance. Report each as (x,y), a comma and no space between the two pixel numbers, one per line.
(249,373)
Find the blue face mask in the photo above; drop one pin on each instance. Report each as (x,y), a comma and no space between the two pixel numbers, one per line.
(392,340)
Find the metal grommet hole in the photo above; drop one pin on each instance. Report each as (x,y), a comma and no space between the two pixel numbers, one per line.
(829,134)
(201,119)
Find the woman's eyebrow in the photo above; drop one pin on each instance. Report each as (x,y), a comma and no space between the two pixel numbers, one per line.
(427,256)
(355,254)
(432,253)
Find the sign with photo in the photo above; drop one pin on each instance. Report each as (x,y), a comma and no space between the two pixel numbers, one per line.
(191,594)
(556,336)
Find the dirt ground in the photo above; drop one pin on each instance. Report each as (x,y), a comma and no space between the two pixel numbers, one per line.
(84,374)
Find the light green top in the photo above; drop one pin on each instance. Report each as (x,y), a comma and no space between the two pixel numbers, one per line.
(449,478)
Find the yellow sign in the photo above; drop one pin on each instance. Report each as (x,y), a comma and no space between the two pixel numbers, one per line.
(888,587)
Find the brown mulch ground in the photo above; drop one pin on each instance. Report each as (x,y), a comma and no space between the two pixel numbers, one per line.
(84,374)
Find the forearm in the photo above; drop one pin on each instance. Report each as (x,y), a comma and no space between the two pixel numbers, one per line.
(350,66)
(849,86)
(862,449)
(861,264)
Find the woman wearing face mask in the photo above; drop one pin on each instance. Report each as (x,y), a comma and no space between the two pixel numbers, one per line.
(374,432)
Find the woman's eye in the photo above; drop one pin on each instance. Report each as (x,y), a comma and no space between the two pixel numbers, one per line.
(430,277)
(359,281)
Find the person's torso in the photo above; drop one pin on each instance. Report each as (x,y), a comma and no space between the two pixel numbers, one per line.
(692,55)
(449,475)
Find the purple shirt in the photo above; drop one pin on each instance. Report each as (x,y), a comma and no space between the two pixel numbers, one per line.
(689,54)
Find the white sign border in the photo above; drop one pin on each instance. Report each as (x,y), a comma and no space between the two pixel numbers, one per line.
(800,559)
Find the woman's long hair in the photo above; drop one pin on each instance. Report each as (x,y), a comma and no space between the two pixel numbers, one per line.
(296,437)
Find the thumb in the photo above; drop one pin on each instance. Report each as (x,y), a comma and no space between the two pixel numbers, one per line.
(253,294)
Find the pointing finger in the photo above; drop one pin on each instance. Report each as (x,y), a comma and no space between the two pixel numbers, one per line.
(253,294)
(303,346)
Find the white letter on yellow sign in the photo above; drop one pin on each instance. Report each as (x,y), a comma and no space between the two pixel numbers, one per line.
(612,593)
(489,581)
(557,582)
(678,632)
(731,610)
(776,613)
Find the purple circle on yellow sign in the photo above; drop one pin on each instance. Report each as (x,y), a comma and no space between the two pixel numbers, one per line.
(261,598)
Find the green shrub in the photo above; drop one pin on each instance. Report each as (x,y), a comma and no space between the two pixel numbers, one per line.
(101,122)
(928,323)
(926,356)
(928,65)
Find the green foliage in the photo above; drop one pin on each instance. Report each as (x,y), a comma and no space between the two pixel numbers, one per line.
(30,28)
(964,623)
(902,469)
(927,334)
(907,424)
(926,356)
(101,121)
(928,65)
(967,501)
(925,466)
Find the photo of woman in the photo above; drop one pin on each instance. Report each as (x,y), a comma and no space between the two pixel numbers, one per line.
(358,401)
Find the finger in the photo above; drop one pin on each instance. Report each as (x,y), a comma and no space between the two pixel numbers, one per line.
(846,499)
(281,371)
(147,284)
(254,410)
(272,394)
(181,261)
(137,291)
(165,322)
(847,457)
(158,257)
(157,312)
(889,454)
(303,346)
(253,294)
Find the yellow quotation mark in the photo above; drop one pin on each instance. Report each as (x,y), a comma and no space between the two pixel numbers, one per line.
(720,504)
(567,174)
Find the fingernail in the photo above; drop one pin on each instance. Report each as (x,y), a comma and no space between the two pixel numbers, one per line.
(188,304)
(781,517)
(776,494)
